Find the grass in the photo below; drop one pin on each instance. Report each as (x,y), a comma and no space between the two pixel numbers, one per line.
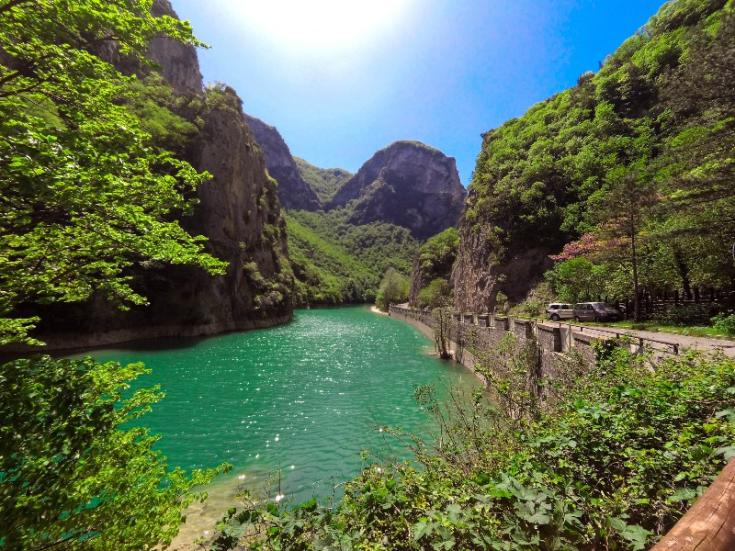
(688,330)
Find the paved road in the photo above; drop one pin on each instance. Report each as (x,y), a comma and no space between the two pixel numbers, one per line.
(684,341)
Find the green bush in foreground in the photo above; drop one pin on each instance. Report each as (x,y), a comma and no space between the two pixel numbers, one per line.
(613,466)
(73,473)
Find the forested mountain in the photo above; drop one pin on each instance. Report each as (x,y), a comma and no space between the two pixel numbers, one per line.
(630,170)
(324,181)
(337,262)
(340,256)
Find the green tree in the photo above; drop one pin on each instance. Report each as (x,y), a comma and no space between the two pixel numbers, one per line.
(72,472)
(436,294)
(437,255)
(576,279)
(85,195)
(393,289)
(84,192)
(621,212)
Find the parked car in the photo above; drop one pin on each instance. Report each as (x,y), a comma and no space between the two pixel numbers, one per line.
(596,311)
(560,311)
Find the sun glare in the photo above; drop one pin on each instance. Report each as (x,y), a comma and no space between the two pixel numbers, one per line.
(319,24)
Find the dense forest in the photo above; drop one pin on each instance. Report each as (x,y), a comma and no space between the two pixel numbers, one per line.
(336,262)
(627,175)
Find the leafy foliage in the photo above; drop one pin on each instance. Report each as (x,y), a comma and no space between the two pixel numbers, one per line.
(430,278)
(577,280)
(436,294)
(393,290)
(90,187)
(612,465)
(84,191)
(725,323)
(72,471)
(638,157)
(437,254)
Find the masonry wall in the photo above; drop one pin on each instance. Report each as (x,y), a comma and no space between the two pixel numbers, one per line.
(563,351)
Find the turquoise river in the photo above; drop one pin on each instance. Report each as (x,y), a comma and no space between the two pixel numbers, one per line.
(297,403)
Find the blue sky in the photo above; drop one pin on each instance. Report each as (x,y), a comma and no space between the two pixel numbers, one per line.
(340,87)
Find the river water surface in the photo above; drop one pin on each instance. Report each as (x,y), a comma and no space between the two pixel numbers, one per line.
(296,403)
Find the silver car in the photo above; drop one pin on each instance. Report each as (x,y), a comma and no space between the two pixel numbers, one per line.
(560,311)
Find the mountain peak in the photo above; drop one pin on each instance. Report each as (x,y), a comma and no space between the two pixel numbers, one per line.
(407,183)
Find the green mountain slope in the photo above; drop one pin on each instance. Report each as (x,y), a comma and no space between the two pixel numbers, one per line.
(335,262)
(324,181)
(640,153)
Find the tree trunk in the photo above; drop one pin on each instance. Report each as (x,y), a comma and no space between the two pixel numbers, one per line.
(634,259)
(683,269)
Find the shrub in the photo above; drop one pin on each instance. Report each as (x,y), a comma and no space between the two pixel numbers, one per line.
(724,323)
(393,290)
(74,473)
(687,314)
(612,466)
(435,295)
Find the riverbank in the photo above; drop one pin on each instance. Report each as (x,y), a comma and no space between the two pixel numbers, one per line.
(375,310)
(70,343)
(459,353)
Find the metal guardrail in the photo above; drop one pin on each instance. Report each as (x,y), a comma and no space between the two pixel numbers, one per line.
(643,342)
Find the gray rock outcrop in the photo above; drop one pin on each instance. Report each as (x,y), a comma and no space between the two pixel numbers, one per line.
(408,184)
(293,191)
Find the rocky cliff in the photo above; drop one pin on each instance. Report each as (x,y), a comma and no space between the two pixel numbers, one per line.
(238,211)
(293,191)
(482,270)
(178,63)
(408,184)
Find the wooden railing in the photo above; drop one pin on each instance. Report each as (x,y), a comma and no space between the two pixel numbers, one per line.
(710,524)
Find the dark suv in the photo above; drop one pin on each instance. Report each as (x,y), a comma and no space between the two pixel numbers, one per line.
(596,311)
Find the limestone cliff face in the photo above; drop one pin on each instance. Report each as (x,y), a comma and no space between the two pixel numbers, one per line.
(293,191)
(482,270)
(239,213)
(178,62)
(418,281)
(408,184)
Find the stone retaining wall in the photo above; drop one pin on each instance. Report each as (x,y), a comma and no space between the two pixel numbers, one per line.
(560,348)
